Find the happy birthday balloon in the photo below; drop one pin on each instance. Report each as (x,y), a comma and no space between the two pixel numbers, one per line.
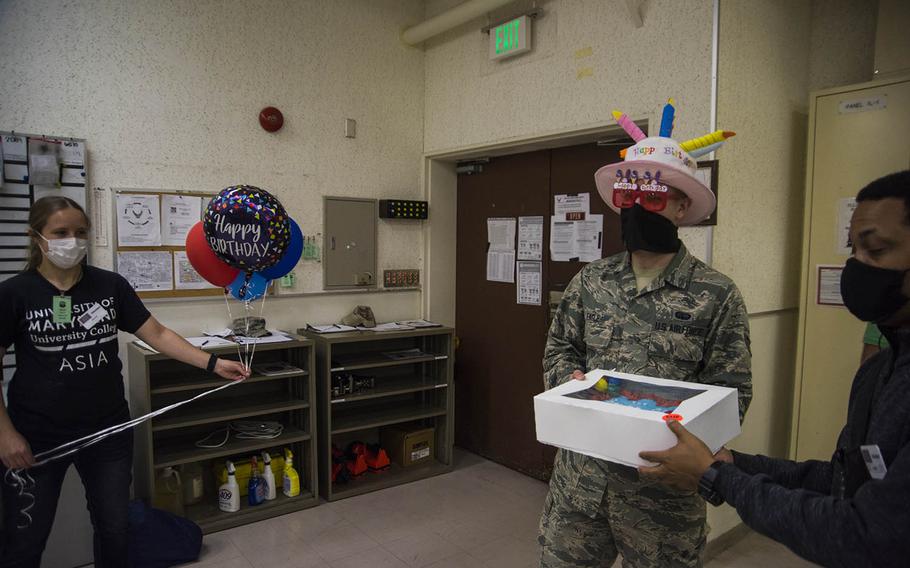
(248,287)
(291,256)
(247,227)
(204,261)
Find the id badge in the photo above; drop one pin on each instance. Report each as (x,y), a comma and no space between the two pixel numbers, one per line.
(63,309)
(875,463)
(92,316)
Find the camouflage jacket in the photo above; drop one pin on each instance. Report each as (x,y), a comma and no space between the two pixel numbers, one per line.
(689,324)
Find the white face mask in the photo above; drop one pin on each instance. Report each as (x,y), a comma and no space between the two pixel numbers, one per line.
(65,253)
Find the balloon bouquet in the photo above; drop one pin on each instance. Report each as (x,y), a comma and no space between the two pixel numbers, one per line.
(245,240)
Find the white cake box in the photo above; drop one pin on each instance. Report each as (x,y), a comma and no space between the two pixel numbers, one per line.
(625,414)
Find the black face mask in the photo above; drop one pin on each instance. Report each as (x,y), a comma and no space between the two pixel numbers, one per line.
(872,293)
(646,230)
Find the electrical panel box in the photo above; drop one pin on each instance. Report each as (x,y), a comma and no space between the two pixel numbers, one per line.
(403,209)
(350,243)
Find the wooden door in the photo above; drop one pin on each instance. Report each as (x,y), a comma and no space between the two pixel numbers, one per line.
(572,171)
(498,366)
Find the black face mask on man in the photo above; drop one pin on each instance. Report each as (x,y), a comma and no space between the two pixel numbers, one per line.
(646,230)
(871,293)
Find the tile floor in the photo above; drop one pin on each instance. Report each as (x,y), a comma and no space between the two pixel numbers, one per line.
(479,515)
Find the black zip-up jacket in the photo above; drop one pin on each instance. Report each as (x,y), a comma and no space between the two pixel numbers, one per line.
(833,513)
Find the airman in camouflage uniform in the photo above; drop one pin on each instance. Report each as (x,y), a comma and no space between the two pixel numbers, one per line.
(688,324)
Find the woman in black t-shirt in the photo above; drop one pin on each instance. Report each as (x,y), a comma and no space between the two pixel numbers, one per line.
(63,317)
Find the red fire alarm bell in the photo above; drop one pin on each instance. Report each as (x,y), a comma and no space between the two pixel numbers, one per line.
(271,119)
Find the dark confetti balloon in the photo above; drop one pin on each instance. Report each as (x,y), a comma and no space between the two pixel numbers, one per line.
(247,227)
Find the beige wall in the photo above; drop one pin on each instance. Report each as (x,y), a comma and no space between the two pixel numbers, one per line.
(167,95)
(473,101)
(762,94)
(843,42)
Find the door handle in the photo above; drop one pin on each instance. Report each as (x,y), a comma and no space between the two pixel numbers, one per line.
(333,243)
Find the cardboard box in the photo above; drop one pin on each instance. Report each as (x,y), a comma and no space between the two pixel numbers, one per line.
(408,447)
(614,416)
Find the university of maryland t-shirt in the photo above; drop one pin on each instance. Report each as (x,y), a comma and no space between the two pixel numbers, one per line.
(67,382)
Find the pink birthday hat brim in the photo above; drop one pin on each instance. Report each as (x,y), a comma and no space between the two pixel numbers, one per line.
(703,199)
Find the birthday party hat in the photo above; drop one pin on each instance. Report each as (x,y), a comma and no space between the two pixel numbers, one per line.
(662,158)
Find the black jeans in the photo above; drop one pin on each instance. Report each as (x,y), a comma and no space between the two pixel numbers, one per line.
(106,473)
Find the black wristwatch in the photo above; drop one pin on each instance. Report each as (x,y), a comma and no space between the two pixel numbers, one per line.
(213,360)
(706,484)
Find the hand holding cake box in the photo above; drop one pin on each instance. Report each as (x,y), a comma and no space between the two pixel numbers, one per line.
(614,416)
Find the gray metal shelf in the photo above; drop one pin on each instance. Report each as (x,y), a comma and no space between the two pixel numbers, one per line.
(214,411)
(382,415)
(212,519)
(417,389)
(395,475)
(156,380)
(391,386)
(179,383)
(375,362)
(188,452)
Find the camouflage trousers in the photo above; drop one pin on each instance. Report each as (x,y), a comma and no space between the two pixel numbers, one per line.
(649,525)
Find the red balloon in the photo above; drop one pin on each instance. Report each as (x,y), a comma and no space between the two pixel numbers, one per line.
(209,266)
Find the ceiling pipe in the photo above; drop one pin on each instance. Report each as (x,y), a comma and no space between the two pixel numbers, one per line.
(464,12)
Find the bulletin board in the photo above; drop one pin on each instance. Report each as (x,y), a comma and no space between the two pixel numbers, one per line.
(149,228)
(59,163)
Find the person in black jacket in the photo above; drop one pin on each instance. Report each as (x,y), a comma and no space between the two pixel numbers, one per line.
(855,509)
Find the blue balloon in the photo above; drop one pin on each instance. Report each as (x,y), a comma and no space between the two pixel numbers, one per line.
(248,286)
(287,262)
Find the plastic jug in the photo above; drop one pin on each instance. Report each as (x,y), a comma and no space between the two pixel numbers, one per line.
(193,484)
(168,492)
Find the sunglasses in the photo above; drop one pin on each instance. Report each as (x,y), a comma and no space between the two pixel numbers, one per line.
(629,188)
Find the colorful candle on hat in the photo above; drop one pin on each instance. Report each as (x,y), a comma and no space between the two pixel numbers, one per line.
(706,150)
(706,140)
(666,121)
(630,127)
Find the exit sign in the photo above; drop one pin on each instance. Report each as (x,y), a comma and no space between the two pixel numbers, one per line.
(510,38)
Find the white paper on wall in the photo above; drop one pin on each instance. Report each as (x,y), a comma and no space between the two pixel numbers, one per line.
(147,270)
(530,238)
(138,220)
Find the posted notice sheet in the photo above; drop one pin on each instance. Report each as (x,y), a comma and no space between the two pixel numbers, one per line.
(501,249)
(147,270)
(530,238)
(528,288)
(178,215)
(185,276)
(138,220)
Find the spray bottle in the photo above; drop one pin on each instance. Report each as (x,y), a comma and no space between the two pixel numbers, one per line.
(268,476)
(256,487)
(229,493)
(291,479)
